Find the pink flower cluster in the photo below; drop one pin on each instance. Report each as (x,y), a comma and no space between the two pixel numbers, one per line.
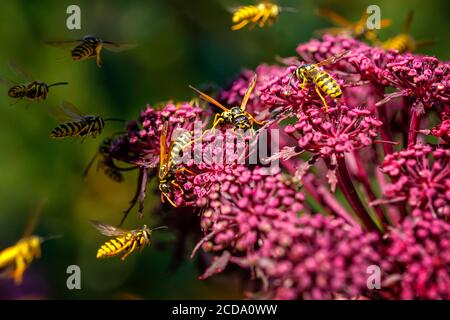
(419,251)
(287,229)
(318,257)
(421,177)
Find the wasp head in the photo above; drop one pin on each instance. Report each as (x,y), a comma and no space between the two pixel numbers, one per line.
(306,72)
(90,38)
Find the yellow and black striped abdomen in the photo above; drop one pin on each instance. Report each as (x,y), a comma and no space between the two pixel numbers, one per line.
(89,126)
(18,91)
(245,12)
(114,247)
(401,43)
(328,85)
(84,50)
(180,143)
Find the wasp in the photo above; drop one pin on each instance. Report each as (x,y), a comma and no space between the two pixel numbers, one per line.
(106,162)
(235,116)
(33,90)
(168,165)
(345,27)
(260,14)
(168,168)
(90,47)
(404,42)
(15,259)
(125,241)
(75,124)
(324,83)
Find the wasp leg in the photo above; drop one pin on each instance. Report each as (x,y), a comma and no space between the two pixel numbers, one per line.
(302,86)
(322,98)
(170,201)
(18,100)
(97,56)
(257,17)
(195,140)
(20,269)
(255,121)
(264,19)
(240,25)
(184,169)
(178,186)
(217,120)
(129,252)
(86,128)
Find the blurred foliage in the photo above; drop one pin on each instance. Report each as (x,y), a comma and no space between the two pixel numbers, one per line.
(180,43)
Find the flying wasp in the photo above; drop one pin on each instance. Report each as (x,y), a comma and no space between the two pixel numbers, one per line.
(125,241)
(89,47)
(15,259)
(345,27)
(260,14)
(324,83)
(32,90)
(106,163)
(404,42)
(75,124)
(236,116)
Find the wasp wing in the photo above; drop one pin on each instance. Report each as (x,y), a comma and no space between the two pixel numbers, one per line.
(20,71)
(63,43)
(209,99)
(334,58)
(163,167)
(66,112)
(118,47)
(334,17)
(248,93)
(408,21)
(7,82)
(107,229)
(33,218)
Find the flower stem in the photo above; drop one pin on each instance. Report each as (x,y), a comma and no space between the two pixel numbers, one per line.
(365,182)
(349,191)
(413,127)
(381,110)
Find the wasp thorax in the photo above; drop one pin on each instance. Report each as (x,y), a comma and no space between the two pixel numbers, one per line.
(235,110)
(164,187)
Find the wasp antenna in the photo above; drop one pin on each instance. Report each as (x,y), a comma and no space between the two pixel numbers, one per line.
(114,119)
(162,227)
(52,237)
(288,9)
(57,84)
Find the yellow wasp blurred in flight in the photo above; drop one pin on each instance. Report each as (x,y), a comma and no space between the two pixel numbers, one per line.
(14,260)
(90,47)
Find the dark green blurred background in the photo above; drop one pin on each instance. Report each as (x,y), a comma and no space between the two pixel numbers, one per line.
(180,42)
